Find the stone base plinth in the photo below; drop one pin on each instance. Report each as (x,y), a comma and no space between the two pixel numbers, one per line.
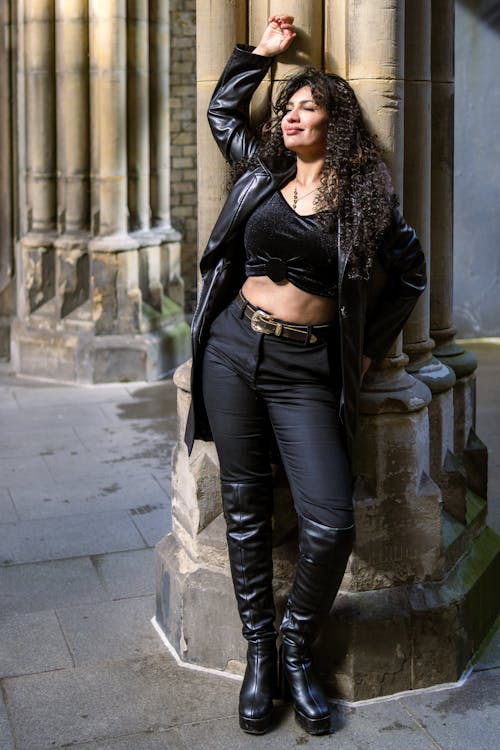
(82,357)
(374,643)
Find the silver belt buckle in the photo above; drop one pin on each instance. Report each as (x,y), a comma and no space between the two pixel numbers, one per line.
(260,318)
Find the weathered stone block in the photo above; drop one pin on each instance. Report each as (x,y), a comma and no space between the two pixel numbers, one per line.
(39,274)
(397,506)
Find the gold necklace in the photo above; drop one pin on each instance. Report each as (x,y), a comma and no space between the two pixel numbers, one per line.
(295,197)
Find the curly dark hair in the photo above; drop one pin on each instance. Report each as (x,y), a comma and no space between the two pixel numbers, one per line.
(355,184)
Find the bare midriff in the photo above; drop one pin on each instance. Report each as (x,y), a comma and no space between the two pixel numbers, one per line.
(287,302)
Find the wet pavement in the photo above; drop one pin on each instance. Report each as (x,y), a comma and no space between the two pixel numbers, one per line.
(84,497)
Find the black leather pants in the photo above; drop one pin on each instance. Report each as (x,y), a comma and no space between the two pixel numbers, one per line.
(251,380)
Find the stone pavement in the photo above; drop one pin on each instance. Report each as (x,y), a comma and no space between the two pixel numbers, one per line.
(84,496)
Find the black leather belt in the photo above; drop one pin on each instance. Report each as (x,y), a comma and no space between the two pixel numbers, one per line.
(263,322)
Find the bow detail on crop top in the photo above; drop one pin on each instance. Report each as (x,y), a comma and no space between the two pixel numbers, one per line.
(282,244)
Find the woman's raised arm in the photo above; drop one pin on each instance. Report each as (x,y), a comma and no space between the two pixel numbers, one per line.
(228,112)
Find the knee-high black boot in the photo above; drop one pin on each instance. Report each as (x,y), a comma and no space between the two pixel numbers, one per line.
(248,513)
(323,555)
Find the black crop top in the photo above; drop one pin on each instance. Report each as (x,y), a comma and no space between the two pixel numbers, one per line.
(281,244)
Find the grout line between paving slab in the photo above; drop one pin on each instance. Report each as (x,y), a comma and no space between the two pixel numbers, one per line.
(9,493)
(421,726)
(70,650)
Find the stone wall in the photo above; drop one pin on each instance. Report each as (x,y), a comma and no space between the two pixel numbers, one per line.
(184,201)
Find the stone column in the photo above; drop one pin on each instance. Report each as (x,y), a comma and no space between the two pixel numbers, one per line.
(138,114)
(108,56)
(417,203)
(93,303)
(159,77)
(73,158)
(36,261)
(219,25)
(138,153)
(394,493)
(465,457)
(116,296)
(413,580)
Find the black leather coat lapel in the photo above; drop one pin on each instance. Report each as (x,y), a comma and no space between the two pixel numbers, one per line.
(250,190)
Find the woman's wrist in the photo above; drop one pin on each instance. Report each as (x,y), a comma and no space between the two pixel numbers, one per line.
(261,51)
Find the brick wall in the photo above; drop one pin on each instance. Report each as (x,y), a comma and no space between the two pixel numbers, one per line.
(183,137)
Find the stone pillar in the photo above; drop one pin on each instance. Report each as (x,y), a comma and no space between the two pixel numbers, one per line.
(417,203)
(108,55)
(36,257)
(167,238)
(394,493)
(226,23)
(414,579)
(73,159)
(465,457)
(138,114)
(93,292)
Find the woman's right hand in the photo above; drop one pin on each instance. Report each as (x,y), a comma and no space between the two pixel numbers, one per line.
(278,36)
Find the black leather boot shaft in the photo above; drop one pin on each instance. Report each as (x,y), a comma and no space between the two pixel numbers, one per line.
(248,511)
(323,555)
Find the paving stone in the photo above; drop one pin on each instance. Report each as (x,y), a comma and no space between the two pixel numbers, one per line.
(110,492)
(152,401)
(32,642)
(28,394)
(92,703)
(31,588)
(7,508)
(41,442)
(153,522)
(127,574)
(65,467)
(21,472)
(382,725)
(8,404)
(464,718)
(59,415)
(68,536)
(131,440)
(116,630)
(6,738)
(168,740)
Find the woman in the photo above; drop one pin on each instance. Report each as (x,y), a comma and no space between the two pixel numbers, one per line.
(284,330)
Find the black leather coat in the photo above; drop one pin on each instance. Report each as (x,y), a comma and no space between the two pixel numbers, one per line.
(222,263)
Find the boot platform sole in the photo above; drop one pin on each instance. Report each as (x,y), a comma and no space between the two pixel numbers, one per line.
(313,726)
(256,726)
